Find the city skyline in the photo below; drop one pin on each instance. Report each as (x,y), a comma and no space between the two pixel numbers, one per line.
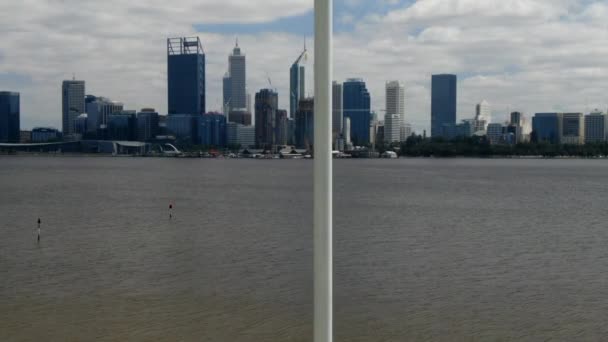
(395,41)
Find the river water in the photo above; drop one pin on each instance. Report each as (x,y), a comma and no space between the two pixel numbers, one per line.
(425,250)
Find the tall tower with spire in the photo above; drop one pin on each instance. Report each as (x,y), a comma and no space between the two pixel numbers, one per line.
(297,83)
(235,84)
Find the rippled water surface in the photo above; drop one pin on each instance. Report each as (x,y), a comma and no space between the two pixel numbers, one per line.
(436,250)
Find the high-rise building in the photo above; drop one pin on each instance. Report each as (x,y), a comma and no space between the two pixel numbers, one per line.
(357,107)
(122,126)
(282,127)
(183,127)
(495,133)
(392,128)
(266,103)
(185,76)
(596,127)
(98,110)
(147,124)
(297,84)
(10,113)
(395,105)
(227,88)
(240,135)
(212,130)
(573,129)
(240,116)
(483,111)
(305,133)
(337,110)
(516,119)
(80,124)
(72,94)
(237,69)
(547,127)
(443,103)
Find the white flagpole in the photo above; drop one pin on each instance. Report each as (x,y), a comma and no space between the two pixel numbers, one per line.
(323,184)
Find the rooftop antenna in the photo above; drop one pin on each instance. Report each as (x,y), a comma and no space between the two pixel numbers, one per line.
(73,76)
(237,41)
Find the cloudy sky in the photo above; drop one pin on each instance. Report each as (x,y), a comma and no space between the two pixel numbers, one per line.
(529,55)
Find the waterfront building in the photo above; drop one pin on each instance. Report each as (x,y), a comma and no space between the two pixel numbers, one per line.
(395,105)
(547,127)
(80,124)
(297,84)
(282,127)
(45,134)
(305,124)
(241,116)
(443,103)
(266,103)
(10,117)
(392,128)
(212,130)
(98,111)
(73,103)
(596,127)
(337,110)
(240,135)
(183,127)
(147,124)
(495,132)
(122,126)
(573,129)
(185,76)
(357,107)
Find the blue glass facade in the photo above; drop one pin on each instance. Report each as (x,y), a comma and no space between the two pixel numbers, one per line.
(183,127)
(546,127)
(357,107)
(122,127)
(185,76)
(212,130)
(297,85)
(443,103)
(9,117)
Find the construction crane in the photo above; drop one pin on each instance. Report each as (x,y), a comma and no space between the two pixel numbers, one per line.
(303,55)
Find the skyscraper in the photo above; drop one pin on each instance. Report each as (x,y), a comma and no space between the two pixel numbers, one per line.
(72,94)
(547,127)
(596,127)
(185,76)
(443,103)
(9,117)
(395,105)
(337,112)
(392,128)
(266,102)
(573,129)
(227,88)
(238,84)
(282,127)
(483,111)
(357,107)
(305,124)
(297,84)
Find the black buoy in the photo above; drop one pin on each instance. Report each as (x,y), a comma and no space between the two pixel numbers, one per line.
(170,211)
(39,222)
